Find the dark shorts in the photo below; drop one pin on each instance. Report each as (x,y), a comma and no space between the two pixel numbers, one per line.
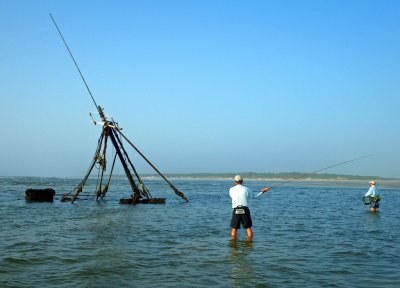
(375,205)
(244,219)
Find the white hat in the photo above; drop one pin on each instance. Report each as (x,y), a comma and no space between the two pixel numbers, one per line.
(372,182)
(238,178)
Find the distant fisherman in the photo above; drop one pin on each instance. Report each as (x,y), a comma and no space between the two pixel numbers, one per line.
(372,196)
(240,203)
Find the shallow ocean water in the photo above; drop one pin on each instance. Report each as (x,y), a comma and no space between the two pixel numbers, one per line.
(318,235)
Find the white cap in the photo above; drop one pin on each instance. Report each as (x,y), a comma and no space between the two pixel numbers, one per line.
(238,178)
(372,182)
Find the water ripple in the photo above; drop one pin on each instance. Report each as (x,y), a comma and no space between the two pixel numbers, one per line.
(304,236)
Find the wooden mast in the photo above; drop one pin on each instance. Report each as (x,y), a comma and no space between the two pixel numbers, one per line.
(112,131)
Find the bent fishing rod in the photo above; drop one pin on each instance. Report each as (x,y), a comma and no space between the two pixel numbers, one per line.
(313,172)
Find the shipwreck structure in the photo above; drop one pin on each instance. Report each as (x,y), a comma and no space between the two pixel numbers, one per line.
(40,195)
(111,135)
(111,132)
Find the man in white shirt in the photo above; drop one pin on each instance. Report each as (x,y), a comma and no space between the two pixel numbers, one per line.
(373,193)
(240,203)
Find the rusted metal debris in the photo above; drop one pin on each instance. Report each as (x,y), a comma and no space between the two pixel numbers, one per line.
(41,195)
(142,201)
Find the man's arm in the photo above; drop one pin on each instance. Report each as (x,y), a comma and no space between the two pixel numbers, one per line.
(266,189)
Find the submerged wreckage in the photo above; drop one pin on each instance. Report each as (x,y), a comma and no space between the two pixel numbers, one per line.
(111,131)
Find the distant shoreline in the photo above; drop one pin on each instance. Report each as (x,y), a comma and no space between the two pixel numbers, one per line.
(381,182)
(269,179)
(292,176)
(274,176)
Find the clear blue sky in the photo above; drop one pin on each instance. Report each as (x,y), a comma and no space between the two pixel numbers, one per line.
(203,86)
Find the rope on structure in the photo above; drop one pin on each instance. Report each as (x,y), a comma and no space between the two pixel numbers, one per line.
(143,191)
(177,192)
(80,186)
(105,190)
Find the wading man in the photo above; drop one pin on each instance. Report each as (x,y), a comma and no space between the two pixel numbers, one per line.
(372,193)
(240,203)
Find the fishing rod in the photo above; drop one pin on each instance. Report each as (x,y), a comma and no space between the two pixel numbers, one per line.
(313,172)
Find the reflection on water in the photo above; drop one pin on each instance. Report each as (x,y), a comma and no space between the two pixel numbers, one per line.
(241,274)
(240,245)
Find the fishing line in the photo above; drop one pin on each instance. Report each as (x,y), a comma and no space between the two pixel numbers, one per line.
(316,171)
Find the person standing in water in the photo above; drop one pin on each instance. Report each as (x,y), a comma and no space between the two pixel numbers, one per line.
(373,193)
(240,196)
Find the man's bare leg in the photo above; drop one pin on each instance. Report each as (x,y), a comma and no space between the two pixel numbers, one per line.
(234,233)
(249,233)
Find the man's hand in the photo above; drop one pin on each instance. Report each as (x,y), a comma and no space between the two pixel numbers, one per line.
(266,189)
